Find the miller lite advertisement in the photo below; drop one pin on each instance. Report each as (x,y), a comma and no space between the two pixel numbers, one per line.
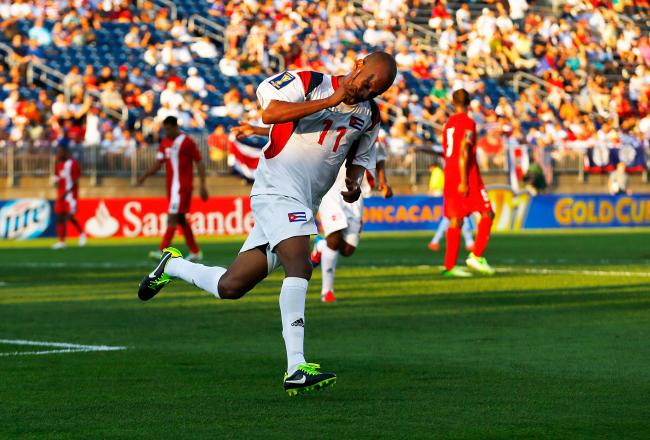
(24,219)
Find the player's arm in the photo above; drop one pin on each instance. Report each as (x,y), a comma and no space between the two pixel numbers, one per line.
(244,129)
(283,99)
(200,168)
(153,169)
(279,112)
(384,186)
(463,154)
(353,176)
(203,189)
(382,180)
(361,157)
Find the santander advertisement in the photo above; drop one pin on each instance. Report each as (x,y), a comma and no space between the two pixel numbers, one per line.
(147,217)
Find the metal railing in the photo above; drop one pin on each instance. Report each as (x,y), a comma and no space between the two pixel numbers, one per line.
(413,163)
(211,29)
(215,31)
(523,80)
(8,54)
(95,161)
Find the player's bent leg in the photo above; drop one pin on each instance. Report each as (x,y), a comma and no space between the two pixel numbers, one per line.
(249,268)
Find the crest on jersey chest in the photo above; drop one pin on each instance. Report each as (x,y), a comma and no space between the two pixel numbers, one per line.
(282,80)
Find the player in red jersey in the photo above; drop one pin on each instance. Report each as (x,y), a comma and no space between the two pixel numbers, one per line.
(178,152)
(464,191)
(67,172)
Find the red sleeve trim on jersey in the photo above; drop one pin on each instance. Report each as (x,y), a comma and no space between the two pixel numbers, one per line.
(335,82)
(280,134)
(310,80)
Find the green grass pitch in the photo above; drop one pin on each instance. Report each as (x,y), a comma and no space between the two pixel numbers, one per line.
(556,345)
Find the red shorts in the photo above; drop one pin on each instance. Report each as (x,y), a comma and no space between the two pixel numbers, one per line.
(67,205)
(180,202)
(458,206)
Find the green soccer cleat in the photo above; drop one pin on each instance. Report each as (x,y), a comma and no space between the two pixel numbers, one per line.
(306,379)
(456,272)
(479,264)
(157,279)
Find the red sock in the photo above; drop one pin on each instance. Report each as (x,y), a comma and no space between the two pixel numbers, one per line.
(453,243)
(60,230)
(482,235)
(167,238)
(189,238)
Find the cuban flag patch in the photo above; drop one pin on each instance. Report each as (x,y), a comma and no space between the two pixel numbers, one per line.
(297,216)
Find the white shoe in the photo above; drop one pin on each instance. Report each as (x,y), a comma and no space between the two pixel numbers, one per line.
(195,257)
(82,239)
(58,245)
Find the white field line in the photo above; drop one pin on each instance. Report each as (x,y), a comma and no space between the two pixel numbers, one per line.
(63,347)
(540,270)
(575,272)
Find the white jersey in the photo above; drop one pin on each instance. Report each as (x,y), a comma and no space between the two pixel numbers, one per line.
(302,158)
(369,177)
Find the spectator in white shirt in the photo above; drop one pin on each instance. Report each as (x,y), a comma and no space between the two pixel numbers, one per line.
(60,107)
(229,65)
(171,97)
(503,22)
(486,23)
(372,36)
(518,10)
(204,48)
(463,18)
(404,59)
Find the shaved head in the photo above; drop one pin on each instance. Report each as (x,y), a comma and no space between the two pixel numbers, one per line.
(384,64)
(371,77)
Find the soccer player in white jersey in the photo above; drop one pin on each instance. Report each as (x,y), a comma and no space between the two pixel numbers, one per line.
(316,121)
(342,222)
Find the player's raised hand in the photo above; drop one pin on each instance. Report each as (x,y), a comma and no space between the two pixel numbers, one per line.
(243,130)
(354,191)
(343,92)
(463,189)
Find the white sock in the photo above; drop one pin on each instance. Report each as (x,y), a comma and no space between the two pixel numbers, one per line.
(441,231)
(292,310)
(466,230)
(322,244)
(328,265)
(203,277)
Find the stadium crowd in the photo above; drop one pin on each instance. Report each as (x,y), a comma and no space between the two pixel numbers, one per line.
(594,63)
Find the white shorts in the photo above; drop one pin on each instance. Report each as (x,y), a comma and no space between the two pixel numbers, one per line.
(276,219)
(338,215)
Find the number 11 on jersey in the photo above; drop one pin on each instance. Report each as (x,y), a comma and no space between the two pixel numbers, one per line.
(327,126)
